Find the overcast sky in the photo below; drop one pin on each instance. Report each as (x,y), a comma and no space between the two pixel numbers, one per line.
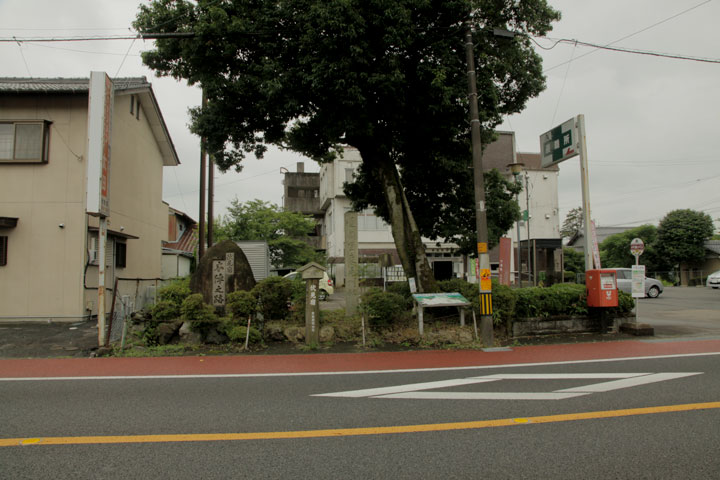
(653,123)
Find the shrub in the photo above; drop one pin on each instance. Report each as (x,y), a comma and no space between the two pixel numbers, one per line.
(238,333)
(503,303)
(273,295)
(176,291)
(165,311)
(200,315)
(383,308)
(402,289)
(241,304)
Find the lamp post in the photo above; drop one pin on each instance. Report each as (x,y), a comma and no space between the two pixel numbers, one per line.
(516,169)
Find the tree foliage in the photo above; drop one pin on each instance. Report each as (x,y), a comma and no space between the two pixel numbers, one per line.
(386,77)
(285,232)
(615,250)
(573,223)
(681,236)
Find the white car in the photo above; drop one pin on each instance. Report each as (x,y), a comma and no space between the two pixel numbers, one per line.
(713,280)
(325,284)
(653,287)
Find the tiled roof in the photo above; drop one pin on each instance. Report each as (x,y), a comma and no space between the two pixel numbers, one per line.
(187,243)
(65,85)
(713,246)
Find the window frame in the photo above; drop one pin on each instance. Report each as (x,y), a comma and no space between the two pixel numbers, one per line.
(44,146)
(3,250)
(120,254)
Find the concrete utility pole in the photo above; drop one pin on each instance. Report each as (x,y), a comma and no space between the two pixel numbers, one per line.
(486,321)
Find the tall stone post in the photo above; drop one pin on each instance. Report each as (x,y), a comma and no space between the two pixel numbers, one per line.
(311,274)
(352,290)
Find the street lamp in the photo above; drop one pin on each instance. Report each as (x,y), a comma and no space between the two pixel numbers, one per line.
(516,169)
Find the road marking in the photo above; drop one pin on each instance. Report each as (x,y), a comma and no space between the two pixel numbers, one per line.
(414,390)
(349,432)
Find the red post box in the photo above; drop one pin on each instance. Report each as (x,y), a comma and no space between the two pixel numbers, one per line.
(601,288)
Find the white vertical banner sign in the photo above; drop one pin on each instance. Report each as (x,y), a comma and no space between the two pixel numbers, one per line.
(98,150)
(100,103)
(595,246)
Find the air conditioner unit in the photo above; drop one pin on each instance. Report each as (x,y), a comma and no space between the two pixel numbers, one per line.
(92,257)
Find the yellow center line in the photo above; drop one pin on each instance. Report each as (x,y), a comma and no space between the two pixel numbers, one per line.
(346,432)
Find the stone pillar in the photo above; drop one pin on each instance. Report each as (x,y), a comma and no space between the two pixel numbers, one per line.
(352,290)
(312,312)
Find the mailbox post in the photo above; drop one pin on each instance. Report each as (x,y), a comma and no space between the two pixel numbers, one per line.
(312,273)
(601,288)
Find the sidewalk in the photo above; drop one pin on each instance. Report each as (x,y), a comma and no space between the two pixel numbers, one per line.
(48,340)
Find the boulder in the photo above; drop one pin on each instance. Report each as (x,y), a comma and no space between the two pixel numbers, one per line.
(165,332)
(215,338)
(295,334)
(241,279)
(188,336)
(274,332)
(327,334)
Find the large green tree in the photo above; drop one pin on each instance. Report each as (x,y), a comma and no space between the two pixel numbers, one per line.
(387,77)
(615,249)
(681,236)
(285,232)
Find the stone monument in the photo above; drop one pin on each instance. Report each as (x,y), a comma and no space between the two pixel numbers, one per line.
(223,269)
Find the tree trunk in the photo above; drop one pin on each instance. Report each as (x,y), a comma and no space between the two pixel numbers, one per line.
(402,223)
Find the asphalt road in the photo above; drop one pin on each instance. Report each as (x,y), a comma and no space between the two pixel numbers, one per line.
(413,431)
(683,311)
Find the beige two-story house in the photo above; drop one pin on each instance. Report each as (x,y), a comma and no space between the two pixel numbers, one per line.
(48,243)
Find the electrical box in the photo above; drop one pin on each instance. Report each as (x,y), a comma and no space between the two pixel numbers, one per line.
(601,288)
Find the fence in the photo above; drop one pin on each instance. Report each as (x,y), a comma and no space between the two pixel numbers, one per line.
(130,295)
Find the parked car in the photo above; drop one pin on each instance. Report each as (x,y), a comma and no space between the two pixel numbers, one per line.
(653,287)
(713,280)
(325,284)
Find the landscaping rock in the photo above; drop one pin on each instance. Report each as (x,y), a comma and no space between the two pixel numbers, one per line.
(165,332)
(214,337)
(327,334)
(295,334)
(274,332)
(188,336)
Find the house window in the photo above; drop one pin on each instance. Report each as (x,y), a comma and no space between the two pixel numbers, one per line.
(3,251)
(24,142)
(120,254)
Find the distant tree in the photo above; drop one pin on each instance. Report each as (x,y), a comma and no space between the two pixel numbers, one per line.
(285,232)
(615,250)
(573,223)
(682,234)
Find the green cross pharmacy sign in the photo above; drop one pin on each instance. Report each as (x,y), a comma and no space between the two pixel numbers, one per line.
(560,143)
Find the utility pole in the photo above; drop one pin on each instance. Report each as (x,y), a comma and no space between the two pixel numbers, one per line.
(486,321)
(203,156)
(211,200)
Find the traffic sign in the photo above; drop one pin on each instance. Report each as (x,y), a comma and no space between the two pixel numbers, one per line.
(637,246)
(560,143)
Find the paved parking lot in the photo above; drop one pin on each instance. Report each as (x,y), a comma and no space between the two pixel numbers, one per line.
(683,311)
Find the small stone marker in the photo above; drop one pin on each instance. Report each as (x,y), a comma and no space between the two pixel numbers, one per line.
(312,273)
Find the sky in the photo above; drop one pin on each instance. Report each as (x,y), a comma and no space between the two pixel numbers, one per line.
(652,123)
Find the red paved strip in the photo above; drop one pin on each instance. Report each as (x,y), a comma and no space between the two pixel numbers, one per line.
(343,362)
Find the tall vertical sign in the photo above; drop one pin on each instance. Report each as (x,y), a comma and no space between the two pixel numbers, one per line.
(561,143)
(100,102)
(504,265)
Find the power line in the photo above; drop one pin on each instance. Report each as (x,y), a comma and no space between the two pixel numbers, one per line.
(632,34)
(625,50)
